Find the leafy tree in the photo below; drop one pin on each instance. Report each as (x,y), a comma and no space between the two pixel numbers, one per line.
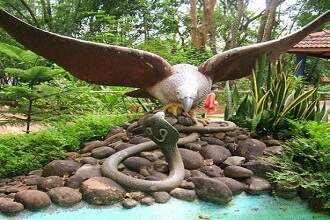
(28,82)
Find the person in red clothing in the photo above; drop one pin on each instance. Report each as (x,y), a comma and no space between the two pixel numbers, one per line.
(210,104)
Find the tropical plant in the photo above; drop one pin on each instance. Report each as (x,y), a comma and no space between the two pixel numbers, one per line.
(276,97)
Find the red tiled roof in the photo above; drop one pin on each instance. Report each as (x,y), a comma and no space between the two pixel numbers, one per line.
(315,40)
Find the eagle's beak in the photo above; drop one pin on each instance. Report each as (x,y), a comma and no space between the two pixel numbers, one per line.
(187,103)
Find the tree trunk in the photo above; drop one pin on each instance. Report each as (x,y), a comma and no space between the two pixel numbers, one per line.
(210,31)
(268,20)
(195,33)
(29,114)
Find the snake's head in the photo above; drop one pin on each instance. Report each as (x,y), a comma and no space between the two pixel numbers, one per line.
(160,131)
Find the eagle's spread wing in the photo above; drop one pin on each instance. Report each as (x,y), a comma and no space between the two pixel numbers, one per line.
(239,62)
(93,62)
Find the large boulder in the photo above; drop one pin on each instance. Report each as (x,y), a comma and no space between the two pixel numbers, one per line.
(237,172)
(102,152)
(191,160)
(64,196)
(250,148)
(9,207)
(60,168)
(235,186)
(257,185)
(102,191)
(212,190)
(33,199)
(215,152)
(184,194)
(50,182)
(136,163)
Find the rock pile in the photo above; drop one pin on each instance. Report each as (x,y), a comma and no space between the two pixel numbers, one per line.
(218,166)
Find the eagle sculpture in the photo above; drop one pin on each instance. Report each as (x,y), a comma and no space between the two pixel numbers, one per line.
(178,87)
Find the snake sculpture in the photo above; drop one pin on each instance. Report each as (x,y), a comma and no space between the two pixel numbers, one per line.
(162,134)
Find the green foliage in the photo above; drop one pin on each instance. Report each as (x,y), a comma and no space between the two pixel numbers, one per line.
(276,97)
(22,153)
(305,162)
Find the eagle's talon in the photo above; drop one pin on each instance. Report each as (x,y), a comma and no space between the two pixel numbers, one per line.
(173,108)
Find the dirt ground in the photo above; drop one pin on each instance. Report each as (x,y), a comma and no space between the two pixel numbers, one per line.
(15,127)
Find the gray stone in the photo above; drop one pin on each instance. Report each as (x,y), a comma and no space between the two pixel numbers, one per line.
(171,120)
(237,172)
(232,147)
(184,194)
(187,174)
(33,180)
(60,168)
(102,191)
(257,185)
(136,163)
(65,196)
(147,201)
(191,159)
(74,181)
(50,182)
(33,199)
(161,197)
(161,166)
(138,140)
(273,150)
(9,207)
(234,161)
(242,137)
(193,146)
(250,148)
(220,135)
(235,186)
(89,146)
(213,141)
(102,152)
(187,185)
(212,171)
(138,195)
(88,160)
(197,173)
(259,168)
(123,146)
(186,121)
(212,190)
(215,152)
(88,171)
(114,131)
(129,203)
(272,142)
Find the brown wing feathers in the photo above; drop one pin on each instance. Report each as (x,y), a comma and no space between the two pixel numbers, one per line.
(92,62)
(239,62)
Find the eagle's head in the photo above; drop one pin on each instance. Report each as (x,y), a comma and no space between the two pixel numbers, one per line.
(186,94)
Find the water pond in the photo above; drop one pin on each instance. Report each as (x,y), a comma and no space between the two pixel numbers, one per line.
(242,207)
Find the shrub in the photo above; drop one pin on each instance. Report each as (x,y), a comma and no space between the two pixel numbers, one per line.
(22,153)
(305,162)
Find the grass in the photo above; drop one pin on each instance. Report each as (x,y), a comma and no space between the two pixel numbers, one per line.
(21,153)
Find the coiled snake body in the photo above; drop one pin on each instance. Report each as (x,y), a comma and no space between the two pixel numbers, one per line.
(166,136)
